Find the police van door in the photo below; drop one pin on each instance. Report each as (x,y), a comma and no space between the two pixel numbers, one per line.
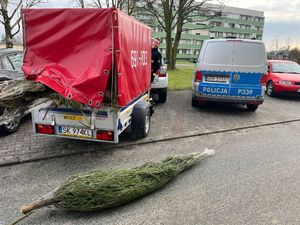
(249,63)
(216,67)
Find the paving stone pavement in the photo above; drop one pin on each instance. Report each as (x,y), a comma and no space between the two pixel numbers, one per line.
(175,118)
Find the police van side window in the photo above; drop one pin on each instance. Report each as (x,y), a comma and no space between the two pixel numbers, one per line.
(218,53)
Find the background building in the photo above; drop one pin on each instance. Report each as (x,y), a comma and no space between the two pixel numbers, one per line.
(238,22)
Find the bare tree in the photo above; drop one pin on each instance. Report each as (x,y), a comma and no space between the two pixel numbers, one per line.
(171,15)
(127,6)
(81,3)
(11,22)
(294,54)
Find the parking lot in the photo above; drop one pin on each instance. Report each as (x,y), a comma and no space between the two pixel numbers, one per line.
(174,119)
(252,179)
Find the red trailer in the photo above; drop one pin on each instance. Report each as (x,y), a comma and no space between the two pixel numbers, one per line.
(98,57)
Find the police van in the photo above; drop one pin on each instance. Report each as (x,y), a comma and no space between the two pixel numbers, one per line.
(230,70)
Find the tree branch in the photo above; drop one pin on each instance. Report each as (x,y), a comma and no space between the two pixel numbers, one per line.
(96,4)
(35,2)
(16,31)
(16,9)
(156,14)
(16,23)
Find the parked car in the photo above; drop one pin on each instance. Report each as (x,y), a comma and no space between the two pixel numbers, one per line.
(160,83)
(232,71)
(10,69)
(283,78)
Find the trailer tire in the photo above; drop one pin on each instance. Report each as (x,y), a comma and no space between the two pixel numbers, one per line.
(140,120)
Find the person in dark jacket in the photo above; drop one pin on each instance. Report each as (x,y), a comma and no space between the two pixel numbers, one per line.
(156,57)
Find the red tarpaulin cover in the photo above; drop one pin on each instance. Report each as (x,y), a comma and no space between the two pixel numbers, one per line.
(72,51)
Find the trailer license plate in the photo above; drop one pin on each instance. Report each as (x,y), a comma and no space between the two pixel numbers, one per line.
(74,132)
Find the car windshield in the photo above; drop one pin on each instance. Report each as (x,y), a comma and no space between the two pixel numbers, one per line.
(16,59)
(11,61)
(286,68)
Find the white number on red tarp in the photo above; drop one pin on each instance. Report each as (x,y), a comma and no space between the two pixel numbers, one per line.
(138,58)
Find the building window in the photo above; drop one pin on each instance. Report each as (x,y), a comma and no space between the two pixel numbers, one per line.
(199,23)
(231,25)
(216,24)
(232,16)
(219,34)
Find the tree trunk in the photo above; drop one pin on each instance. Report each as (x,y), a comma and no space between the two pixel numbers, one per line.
(174,49)
(168,29)
(169,48)
(8,37)
(176,42)
(7,28)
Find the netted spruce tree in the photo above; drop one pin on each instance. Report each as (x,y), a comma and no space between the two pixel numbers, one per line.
(103,189)
(171,15)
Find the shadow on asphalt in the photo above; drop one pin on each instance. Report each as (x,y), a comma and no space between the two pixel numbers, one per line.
(219,108)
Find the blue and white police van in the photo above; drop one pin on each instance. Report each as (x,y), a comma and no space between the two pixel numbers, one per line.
(230,70)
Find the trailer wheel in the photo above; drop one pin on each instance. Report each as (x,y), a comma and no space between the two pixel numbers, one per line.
(140,120)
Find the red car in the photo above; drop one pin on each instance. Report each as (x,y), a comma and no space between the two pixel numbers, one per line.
(283,77)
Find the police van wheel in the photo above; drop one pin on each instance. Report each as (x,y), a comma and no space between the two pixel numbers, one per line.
(195,103)
(251,107)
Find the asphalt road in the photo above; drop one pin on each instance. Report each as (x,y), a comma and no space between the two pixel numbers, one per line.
(254,178)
